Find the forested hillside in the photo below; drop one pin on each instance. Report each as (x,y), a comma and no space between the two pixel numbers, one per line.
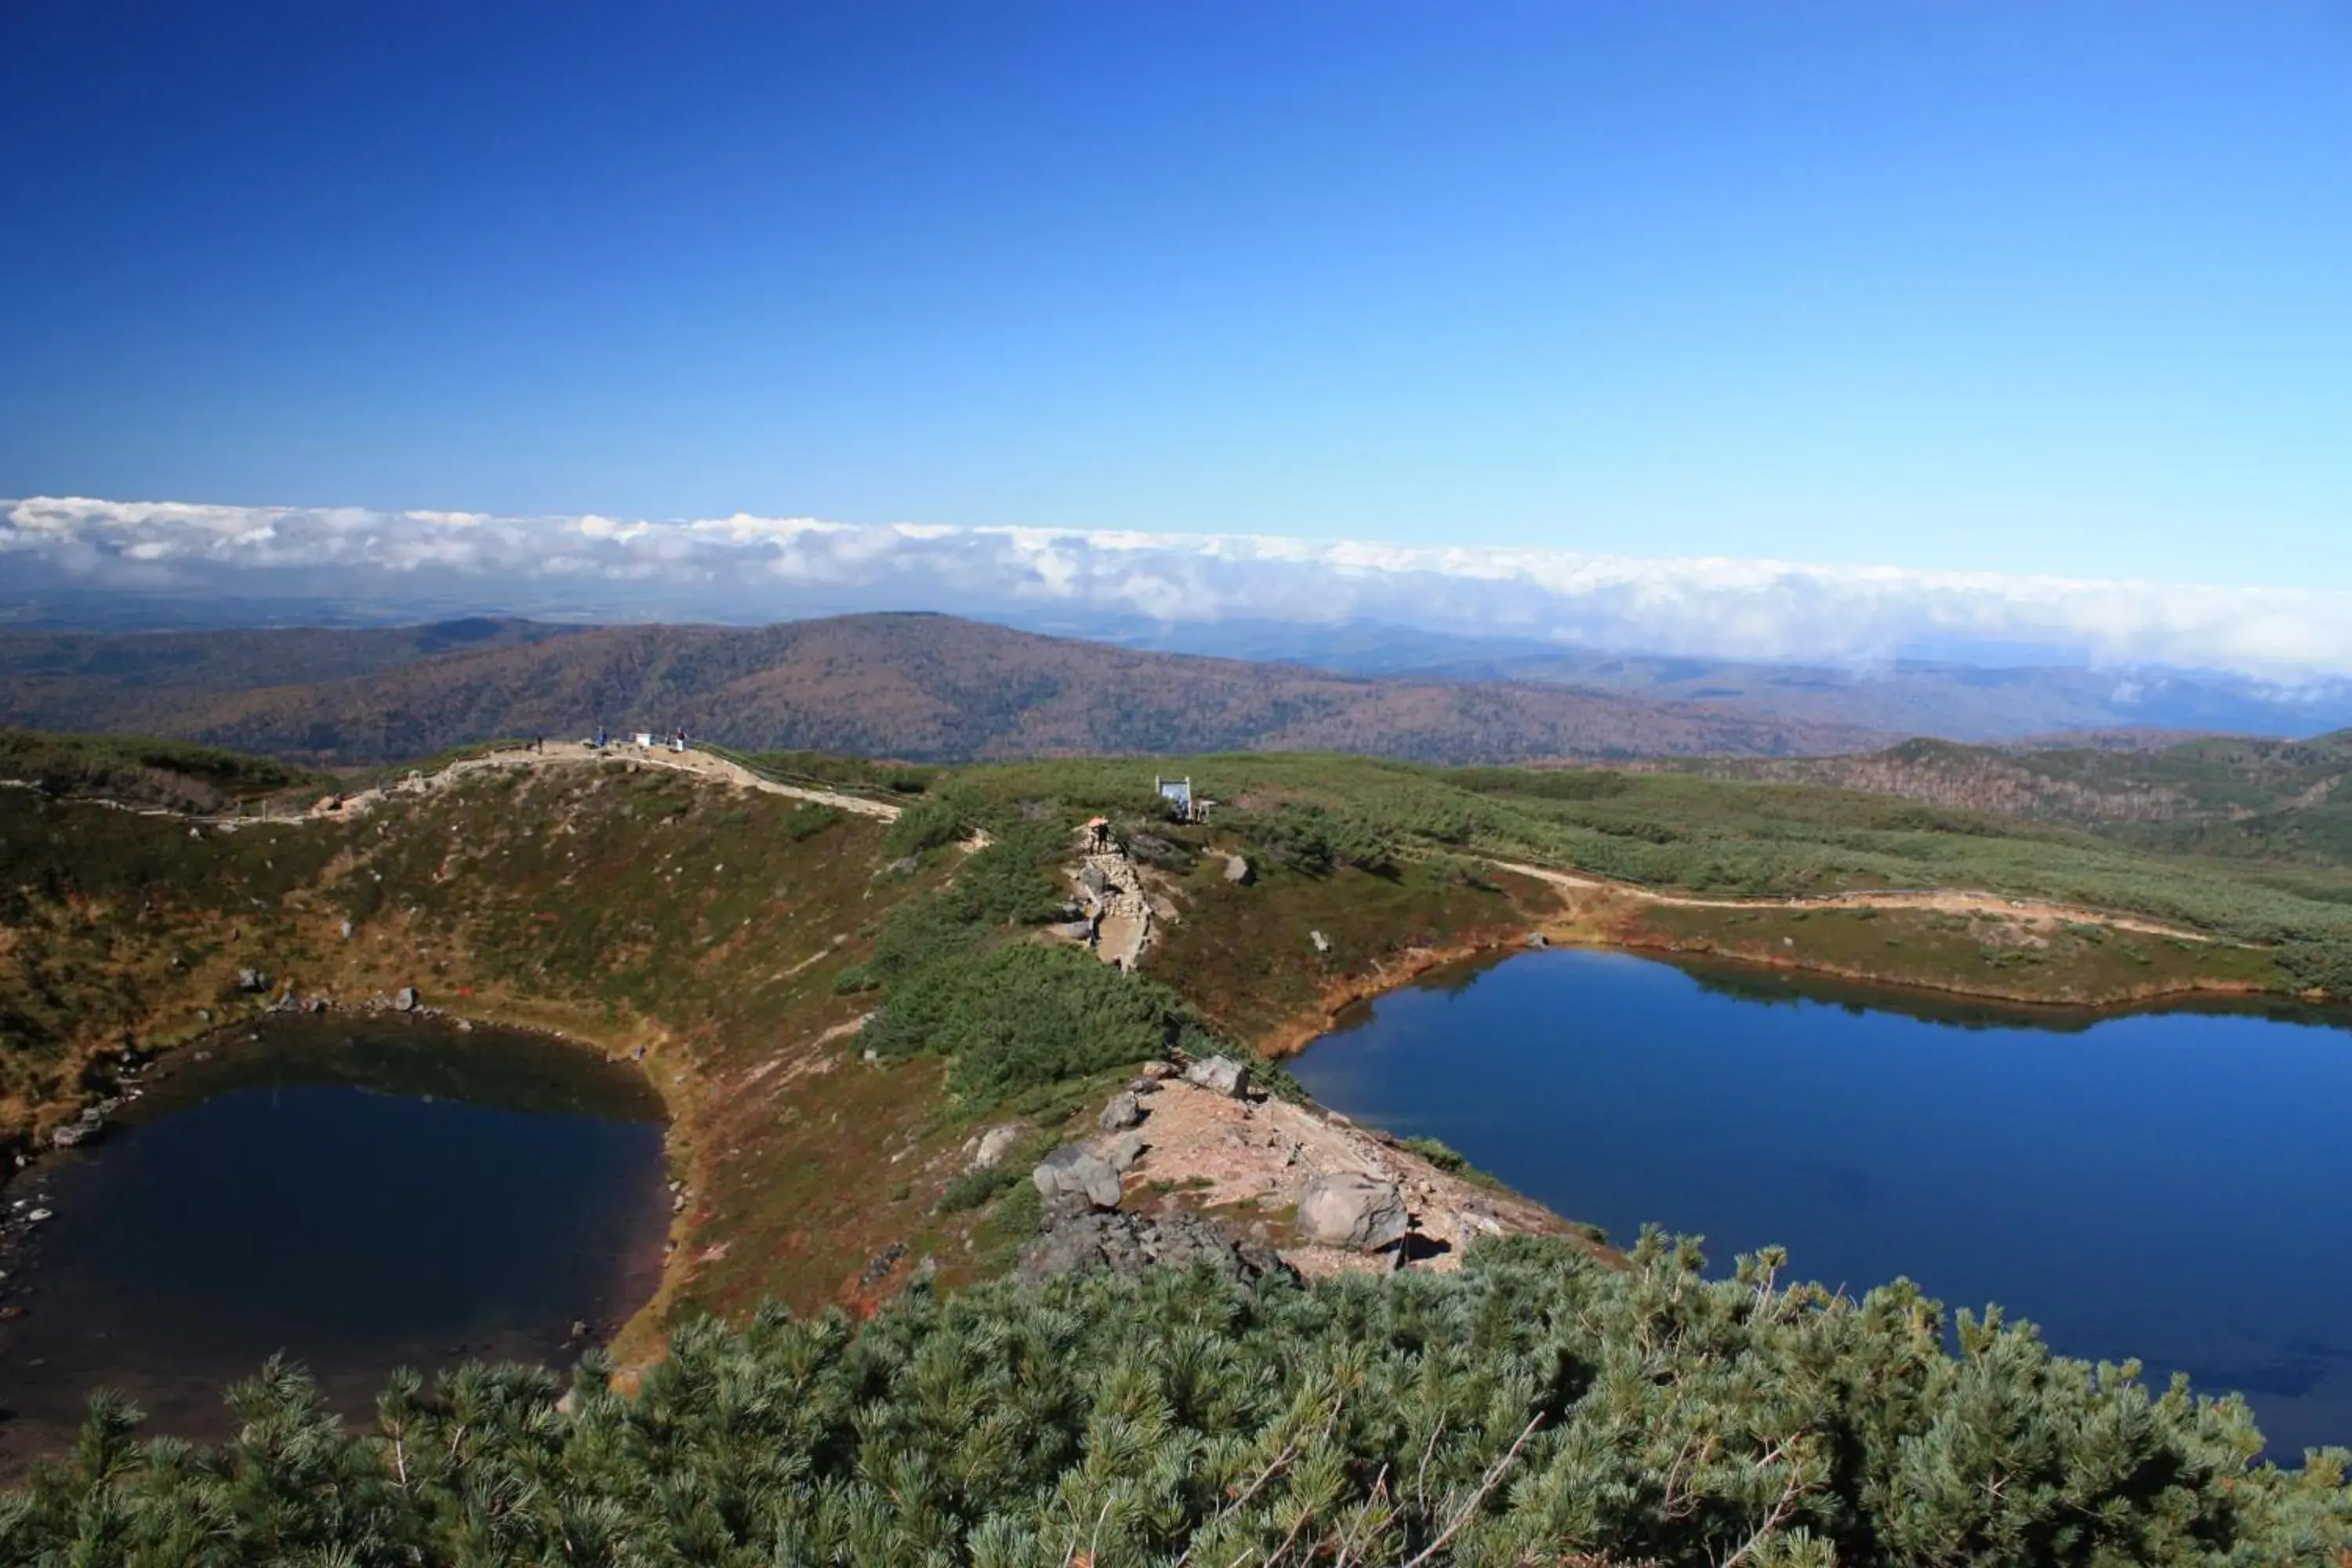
(919,686)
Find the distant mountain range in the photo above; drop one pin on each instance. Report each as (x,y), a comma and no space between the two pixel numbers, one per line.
(921,687)
(1955,700)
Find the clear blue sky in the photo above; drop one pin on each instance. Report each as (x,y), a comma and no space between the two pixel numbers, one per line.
(2020,287)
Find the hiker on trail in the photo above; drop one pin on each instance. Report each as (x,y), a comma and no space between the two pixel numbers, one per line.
(600,737)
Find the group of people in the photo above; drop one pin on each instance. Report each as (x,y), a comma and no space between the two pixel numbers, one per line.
(676,741)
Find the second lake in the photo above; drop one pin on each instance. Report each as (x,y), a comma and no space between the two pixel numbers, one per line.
(2174,1187)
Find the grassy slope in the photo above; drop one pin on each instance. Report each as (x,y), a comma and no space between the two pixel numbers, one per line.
(634,908)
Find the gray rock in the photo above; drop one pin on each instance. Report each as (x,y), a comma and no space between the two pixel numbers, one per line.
(1352,1210)
(1069,1172)
(404,999)
(1236,869)
(1130,1243)
(1156,1071)
(347,930)
(1537,939)
(1122,1152)
(1322,943)
(253,980)
(994,1144)
(1219,1075)
(1124,1111)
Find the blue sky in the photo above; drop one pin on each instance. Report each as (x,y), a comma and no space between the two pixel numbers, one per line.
(2013,287)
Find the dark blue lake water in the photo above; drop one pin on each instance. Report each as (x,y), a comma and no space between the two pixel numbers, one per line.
(359,1194)
(2176,1186)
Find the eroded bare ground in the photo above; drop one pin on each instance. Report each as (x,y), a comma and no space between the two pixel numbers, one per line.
(2021,911)
(558,753)
(1246,1163)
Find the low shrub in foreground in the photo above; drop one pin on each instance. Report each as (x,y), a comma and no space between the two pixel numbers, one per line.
(1538,1406)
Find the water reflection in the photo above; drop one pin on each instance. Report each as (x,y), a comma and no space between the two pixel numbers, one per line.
(361,1194)
(2170,1183)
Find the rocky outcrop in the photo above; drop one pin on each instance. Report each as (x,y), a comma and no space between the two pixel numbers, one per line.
(994,1144)
(1130,1243)
(1219,1075)
(1353,1211)
(1070,1175)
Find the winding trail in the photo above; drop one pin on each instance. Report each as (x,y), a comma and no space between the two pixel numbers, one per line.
(1943,900)
(561,754)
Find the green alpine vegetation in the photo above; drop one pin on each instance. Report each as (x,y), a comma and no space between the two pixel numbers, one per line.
(1537,1407)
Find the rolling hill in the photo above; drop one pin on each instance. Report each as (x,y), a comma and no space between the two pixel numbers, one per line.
(2231,796)
(921,687)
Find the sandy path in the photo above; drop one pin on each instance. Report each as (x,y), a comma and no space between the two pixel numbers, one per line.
(559,753)
(1945,901)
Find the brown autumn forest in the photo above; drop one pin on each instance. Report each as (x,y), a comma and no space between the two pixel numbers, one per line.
(921,687)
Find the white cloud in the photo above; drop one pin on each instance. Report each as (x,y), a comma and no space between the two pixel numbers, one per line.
(741,566)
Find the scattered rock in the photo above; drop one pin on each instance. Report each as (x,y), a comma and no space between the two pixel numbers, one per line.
(36,1216)
(1322,943)
(404,999)
(253,980)
(347,930)
(1219,1075)
(878,1267)
(1537,939)
(1354,1211)
(1237,870)
(1157,1070)
(1124,1111)
(1122,1152)
(994,1144)
(1130,1243)
(1143,1085)
(904,866)
(1069,1172)
(579,1329)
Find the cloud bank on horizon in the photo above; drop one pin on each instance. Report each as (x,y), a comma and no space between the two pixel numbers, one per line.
(745,567)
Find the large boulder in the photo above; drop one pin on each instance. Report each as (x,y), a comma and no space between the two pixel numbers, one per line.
(1070,1173)
(994,1144)
(1124,1111)
(404,999)
(1122,1152)
(1353,1211)
(1129,1243)
(1219,1075)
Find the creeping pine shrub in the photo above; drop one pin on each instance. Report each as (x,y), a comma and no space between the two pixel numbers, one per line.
(1437,1152)
(1317,841)
(1018,1017)
(2319,964)
(975,1188)
(932,823)
(1534,1407)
